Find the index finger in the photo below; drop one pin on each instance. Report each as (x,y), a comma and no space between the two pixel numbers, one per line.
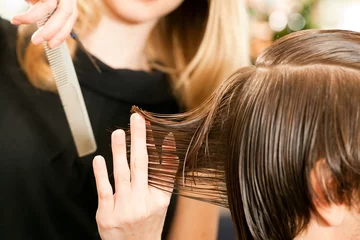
(104,189)
(139,155)
(121,167)
(36,12)
(58,20)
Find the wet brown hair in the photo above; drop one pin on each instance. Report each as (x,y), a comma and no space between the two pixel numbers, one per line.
(253,145)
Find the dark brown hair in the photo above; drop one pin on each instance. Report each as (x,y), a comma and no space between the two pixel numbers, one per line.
(253,145)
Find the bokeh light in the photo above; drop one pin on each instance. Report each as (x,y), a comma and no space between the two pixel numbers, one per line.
(278,21)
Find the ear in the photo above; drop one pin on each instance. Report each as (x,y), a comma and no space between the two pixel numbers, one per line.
(330,214)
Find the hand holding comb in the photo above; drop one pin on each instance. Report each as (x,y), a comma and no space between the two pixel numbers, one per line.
(71,96)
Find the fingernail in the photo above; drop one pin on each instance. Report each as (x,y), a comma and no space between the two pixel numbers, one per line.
(54,43)
(118,136)
(137,117)
(15,21)
(98,161)
(37,39)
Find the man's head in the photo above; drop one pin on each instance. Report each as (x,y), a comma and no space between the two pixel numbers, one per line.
(278,143)
(295,138)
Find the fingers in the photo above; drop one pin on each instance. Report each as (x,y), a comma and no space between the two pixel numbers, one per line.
(59,25)
(139,155)
(36,12)
(121,167)
(104,189)
(63,33)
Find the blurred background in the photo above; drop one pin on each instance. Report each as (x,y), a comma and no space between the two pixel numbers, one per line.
(270,20)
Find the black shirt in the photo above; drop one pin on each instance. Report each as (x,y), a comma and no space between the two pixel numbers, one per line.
(46,191)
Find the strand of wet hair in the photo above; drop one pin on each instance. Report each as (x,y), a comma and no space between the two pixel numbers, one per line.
(180,156)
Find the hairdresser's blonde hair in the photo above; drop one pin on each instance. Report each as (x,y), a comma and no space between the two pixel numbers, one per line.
(198,45)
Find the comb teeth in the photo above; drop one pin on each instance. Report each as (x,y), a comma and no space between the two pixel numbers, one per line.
(71,96)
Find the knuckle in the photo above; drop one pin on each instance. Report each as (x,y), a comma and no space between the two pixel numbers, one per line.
(141,164)
(142,214)
(130,220)
(122,178)
(105,225)
(104,194)
(161,206)
(140,167)
(126,221)
(67,12)
(164,204)
(143,217)
(57,40)
(51,5)
(103,222)
(26,19)
(47,33)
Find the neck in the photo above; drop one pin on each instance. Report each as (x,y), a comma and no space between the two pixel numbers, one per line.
(118,44)
(314,230)
(320,230)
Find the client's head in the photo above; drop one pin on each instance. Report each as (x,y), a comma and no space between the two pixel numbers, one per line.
(284,135)
(294,145)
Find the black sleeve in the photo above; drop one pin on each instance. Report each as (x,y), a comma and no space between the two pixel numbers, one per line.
(7,30)
(8,35)
(8,38)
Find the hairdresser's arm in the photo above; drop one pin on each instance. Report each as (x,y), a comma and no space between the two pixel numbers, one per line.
(194,220)
(136,210)
(58,28)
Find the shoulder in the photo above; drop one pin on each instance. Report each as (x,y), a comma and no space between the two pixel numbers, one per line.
(8,37)
(8,34)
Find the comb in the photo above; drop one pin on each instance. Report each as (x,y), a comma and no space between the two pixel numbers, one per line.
(71,96)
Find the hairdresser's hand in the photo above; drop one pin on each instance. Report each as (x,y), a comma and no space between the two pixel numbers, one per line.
(58,27)
(136,210)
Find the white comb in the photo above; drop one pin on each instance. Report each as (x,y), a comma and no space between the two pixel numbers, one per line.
(71,96)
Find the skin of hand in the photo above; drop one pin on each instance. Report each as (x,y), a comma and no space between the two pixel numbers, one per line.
(58,27)
(136,210)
